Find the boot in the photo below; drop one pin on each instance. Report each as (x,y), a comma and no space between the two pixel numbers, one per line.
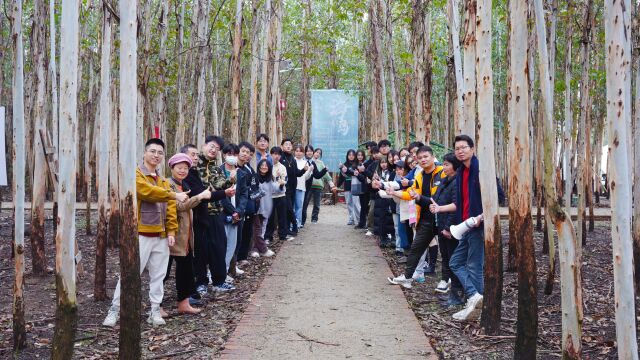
(433,258)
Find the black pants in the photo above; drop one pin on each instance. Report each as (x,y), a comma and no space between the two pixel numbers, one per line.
(185,286)
(424,235)
(280,212)
(314,195)
(244,242)
(447,247)
(292,224)
(210,250)
(364,209)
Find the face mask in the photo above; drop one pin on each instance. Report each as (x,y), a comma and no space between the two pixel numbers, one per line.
(232,160)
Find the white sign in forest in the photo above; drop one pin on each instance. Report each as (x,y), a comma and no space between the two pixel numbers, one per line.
(334,124)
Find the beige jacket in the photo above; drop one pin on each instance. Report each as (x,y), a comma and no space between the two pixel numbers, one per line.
(184,235)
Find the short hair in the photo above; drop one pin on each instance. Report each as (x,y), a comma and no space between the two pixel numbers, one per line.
(262,136)
(384,142)
(465,138)
(154,141)
(425,148)
(451,159)
(285,140)
(216,139)
(308,147)
(230,148)
(185,148)
(370,144)
(374,149)
(247,145)
(414,144)
(276,150)
(299,147)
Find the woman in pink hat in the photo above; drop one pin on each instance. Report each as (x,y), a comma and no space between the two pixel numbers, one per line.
(182,251)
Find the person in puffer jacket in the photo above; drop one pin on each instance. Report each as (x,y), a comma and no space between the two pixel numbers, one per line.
(383,211)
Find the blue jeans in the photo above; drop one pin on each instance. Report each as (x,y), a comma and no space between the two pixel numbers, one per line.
(467,262)
(297,208)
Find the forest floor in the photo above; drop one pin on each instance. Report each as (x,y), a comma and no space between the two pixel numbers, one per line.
(185,338)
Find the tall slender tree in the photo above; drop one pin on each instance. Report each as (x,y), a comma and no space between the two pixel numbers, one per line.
(617,24)
(236,74)
(520,181)
(18,181)
(468,123)
(66,311)
(129,252)
(570,270)
(492,305)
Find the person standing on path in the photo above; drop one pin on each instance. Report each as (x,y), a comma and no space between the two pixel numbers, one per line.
(293,172)
(345,178)
(245,156)
(210,238)
(182,251)
(157,226)
(364,189)
(424,187)
(268,187)
(317,185)
(444,199)
(280,205)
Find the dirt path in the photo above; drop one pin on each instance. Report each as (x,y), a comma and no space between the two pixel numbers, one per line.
(326,297)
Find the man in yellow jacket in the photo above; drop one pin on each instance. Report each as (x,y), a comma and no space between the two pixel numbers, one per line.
(425,185)
(157,225)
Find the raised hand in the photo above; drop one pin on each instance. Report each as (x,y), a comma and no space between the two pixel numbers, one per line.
(434,207)
(183,196)
(230,191)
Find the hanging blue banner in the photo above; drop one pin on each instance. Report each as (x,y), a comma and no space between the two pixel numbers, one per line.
(334,124)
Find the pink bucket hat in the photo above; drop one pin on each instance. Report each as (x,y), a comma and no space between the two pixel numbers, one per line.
(178,158)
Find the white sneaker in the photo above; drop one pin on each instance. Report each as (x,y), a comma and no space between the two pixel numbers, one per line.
(112,317)
(268,253)
(443,287)
(401,280)
(229,279)
(254,254)
(368,233)
(290,238)
(239,271)
(472,310)
(155,318)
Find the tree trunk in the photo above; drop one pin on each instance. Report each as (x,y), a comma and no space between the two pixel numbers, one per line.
(387,8)
(585,102)
(618,69)
(53,73)
(304,96)
(202,26)
(520,185)
(181,126)
(18,181)
(159,103)
(454,30)
(570,262)
(265,35)
(66,311)
(256,40)
(568,116)
(129,252)
(102,171)
(88,113)
(39,188)
(377,91)
(236,74)
(276,37)
(468,124)
(636,176)
(492,304)
(115,219)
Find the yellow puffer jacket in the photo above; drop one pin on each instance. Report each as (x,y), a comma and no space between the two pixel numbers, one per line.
(156,204)
(417,187)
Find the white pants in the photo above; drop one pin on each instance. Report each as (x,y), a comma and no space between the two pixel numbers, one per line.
(353,204)
(154,256)
(232,240)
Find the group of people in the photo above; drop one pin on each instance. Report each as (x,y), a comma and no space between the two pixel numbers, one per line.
(210,217)
(410,200)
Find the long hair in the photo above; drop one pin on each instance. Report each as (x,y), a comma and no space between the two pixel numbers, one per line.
(348,162)
(364,156)
(269,175)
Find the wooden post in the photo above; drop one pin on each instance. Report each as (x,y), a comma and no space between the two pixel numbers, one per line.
(617,25)
(18,182)
(66,311)
(129,252)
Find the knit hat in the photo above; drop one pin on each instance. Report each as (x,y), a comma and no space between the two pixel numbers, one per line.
(178,158)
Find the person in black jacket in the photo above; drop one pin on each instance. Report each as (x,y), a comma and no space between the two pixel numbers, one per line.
(364,195)
(446,194)
(245,155)
(352,199)
(293,173)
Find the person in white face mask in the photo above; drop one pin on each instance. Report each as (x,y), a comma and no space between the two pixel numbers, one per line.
(235,206)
